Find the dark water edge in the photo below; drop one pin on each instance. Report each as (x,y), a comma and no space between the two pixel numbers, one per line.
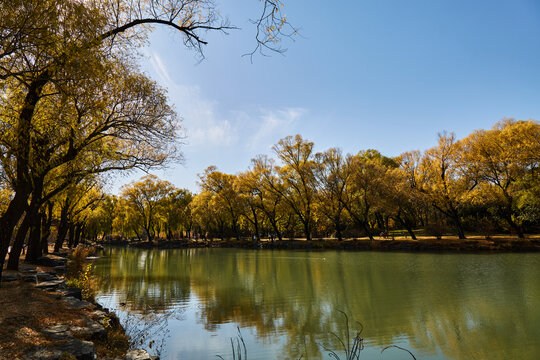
(431,245)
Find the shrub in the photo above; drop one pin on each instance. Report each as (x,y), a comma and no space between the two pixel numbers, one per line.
(78,260)
(84,281)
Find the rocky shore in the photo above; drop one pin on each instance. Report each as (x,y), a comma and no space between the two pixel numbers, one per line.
(44,319)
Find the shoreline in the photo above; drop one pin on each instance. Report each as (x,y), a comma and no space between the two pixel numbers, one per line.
(50,320)
(498,245)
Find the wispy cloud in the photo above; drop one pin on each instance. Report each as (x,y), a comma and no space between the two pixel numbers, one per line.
(272,125)
(254,130)
(201,124)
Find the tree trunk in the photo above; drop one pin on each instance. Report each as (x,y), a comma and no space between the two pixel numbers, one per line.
(307,230)
(34,241)
(459,227)
(337,225)
(71,234)
(18,243)
(31,221)
(380,221)
(235,229)
(46,228)
(368,232)
(338,233)
(62,229)
(256,223)
(514,226)
(23,187)
(78,232)
(276,230)
(407,226)
(9,220)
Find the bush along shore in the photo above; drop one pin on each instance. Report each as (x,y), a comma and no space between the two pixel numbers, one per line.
(495,244)
(49,313)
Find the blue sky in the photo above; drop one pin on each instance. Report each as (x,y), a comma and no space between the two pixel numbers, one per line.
(364,74)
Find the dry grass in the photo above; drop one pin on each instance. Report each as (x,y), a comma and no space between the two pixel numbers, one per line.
(77,266)
(24,312)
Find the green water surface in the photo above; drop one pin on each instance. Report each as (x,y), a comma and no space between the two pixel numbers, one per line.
(188,303)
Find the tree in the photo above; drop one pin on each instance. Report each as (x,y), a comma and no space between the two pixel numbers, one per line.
(332,177)
(175,209)
(438,177)
(399,198)
(298,178)
(362,196)
(127,221)
(146,197)
(248,190)
(209,215)
(49,47)
(47,73)
(264,181)
(507,158)
(221,186)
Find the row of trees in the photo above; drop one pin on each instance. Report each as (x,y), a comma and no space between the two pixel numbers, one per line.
(485,182)
(74,105)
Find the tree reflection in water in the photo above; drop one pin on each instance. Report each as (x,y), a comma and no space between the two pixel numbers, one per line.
(441,306)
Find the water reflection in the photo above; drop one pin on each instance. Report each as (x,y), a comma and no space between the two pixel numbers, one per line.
(439,306)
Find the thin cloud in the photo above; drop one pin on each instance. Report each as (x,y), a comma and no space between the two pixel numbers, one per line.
(273,125)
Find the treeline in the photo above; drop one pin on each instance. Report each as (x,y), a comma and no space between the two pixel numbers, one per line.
(485,183)
(74,106)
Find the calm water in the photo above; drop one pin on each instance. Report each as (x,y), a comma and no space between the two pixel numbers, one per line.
(190,302)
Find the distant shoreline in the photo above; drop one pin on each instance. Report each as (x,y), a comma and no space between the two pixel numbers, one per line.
(496,245)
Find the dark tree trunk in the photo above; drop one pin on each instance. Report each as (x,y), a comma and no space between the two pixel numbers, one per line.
(337,225)
(18,243)
(235,229)
(453,215)
(410,231)
(31,221)
(514,226)
(338,233)
(9,220)
(46,228)
(276,230)
(78,232)
(34,241)
(256,223)
(62,228)
(407,226)
(380,221)
(307,230)
(368,232)
(23,187)
(459,226)
(71,234)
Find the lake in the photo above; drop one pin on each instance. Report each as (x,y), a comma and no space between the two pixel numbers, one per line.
(190,303)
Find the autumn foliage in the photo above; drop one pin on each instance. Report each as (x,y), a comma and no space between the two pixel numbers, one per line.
(483,184)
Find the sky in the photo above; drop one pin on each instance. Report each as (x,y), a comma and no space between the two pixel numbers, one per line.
(382,74)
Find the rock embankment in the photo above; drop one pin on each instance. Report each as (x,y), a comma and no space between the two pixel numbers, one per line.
(76,334)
